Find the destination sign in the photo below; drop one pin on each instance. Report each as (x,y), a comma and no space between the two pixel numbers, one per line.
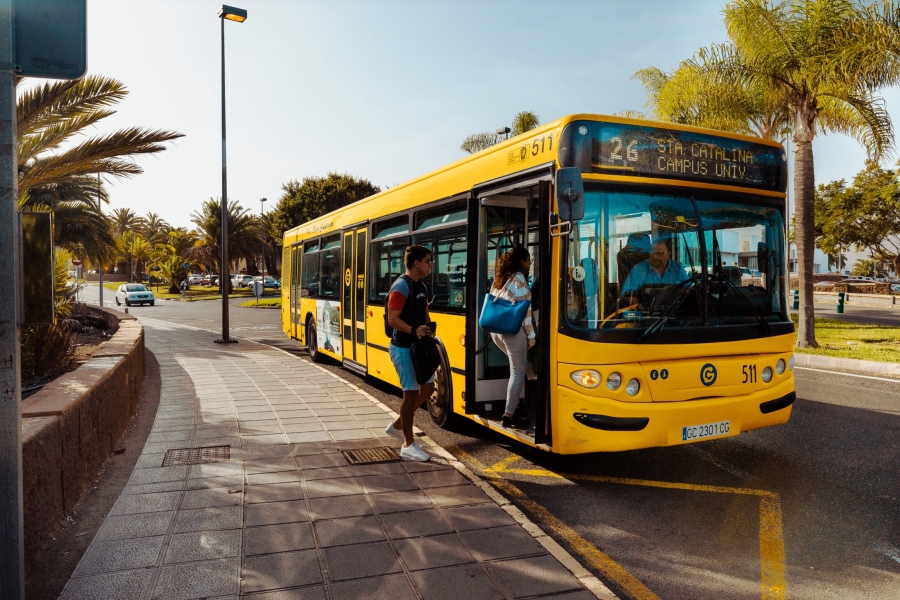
(634,150)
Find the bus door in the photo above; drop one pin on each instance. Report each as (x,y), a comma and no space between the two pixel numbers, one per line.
(353,299)
(502,225)
(294,287)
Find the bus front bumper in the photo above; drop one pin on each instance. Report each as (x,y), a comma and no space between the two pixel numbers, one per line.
(591,424)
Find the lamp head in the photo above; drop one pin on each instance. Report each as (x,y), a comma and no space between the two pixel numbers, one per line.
(503,130)
(233,14)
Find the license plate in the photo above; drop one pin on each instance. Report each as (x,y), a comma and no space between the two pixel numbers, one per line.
(698,432)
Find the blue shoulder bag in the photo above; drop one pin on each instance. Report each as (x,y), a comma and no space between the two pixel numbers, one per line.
(502,316)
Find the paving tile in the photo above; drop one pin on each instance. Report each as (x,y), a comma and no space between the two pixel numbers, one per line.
(278,477)
(255,428)
(460,494)
(533,576)
(135,526)
(350,530)
(150,461)
(451,583)
(272,513)
(344,424)
(119,555)
(302,427)
(501,542)
(274,571)
(477,516)
(232,482)
(216,517)
(109,586)
(269,465)
(197,580)
(340,506)
(415,523)
(320,460)
(142,503)
(391,468)
(215,470)
(321,488)
(278,492)
(360,560)
(269,438)
(413,466)
(440,478)
(401,501)
(210,497)
(157,475)
(308,436)
(327,473)
(374,484)
(245,416)
(392,587)
(203,545)
(582,595)
(351,434)
(433,551)
(284,537)
(357,444)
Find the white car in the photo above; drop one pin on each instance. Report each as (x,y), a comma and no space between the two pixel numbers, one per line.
(195,279)
(134,293)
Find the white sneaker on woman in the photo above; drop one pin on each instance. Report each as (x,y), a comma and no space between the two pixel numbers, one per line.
(394,432)
(413,452)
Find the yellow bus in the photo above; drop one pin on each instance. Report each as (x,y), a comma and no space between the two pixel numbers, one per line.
(621,362)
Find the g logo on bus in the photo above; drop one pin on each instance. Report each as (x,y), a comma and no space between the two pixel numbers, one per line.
(347,277)
(708,374)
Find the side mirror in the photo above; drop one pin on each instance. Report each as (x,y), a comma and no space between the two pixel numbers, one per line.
(570,194)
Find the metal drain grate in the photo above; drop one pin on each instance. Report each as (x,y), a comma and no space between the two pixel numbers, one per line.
(197,456)
(368,456)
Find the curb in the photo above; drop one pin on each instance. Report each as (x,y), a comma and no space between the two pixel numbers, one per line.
(867,367)
(589,581)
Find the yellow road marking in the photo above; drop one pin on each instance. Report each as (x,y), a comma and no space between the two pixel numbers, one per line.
(771,531)
(593,555)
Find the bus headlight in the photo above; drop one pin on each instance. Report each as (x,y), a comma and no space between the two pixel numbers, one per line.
(779,366)
(588,378)
(633,387)
(613,381)
(791,362)
(767,374)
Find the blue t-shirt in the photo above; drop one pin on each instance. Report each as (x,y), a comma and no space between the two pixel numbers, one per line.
(644,274)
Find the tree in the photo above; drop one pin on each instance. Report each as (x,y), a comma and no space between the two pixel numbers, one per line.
(125,220)
(821,60)
(522,122)
(154,228)
(865,215)
(243,237)
(316,196)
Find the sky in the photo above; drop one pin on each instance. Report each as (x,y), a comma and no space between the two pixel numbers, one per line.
(381,89)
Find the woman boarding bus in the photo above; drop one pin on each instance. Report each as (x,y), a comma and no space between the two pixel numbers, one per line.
(645,335)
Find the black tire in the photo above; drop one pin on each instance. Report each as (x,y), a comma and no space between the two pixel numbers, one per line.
(153,303)
(440,404)
(312,342)
(117,301)
(127,303)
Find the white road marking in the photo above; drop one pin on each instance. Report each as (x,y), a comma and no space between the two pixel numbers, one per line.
(889,551)
(693,449)
(847,374)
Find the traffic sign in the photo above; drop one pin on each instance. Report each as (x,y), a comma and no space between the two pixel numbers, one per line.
(186,265)
(76,262)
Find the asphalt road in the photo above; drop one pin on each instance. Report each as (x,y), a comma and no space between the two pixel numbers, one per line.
(806,510)
(870,315)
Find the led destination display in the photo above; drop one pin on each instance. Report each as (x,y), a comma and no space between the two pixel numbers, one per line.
(620,149)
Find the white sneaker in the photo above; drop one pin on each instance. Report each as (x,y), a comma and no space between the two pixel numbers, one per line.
(413,452)
(394,432)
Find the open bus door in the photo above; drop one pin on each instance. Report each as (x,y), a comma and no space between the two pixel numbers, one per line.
(498,223)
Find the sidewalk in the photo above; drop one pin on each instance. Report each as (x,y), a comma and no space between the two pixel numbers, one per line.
(281,513)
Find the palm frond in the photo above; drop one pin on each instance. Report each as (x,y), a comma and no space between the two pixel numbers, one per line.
(53,135)
(861,116)
(43,106)
(479,141)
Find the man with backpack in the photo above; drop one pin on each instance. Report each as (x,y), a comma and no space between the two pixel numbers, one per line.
(407,314)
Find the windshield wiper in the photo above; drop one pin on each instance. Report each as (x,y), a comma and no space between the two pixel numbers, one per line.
(762,321)
(657,325)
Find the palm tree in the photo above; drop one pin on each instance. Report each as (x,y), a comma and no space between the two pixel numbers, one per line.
(154,228)
(243,236)
(125,220)
(522,122)
(820,61)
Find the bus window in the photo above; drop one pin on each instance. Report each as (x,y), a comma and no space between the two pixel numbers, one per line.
(390,227)
(385,265)
(447,283)
(330,268)
(451,213)
(310,279)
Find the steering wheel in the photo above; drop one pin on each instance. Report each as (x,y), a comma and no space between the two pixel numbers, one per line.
(617,313)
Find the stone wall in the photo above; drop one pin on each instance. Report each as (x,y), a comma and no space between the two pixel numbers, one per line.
(72,425)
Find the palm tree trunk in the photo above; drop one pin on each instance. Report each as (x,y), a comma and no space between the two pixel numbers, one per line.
(804,201)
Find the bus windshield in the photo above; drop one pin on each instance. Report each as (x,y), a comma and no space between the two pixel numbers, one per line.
(647,261)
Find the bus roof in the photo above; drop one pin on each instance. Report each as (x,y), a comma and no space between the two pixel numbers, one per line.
(507,157)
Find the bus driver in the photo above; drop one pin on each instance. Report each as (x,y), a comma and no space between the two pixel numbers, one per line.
(658,269)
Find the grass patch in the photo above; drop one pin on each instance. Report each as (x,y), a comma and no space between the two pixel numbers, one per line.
(263,303)
(854,340)
(197,292)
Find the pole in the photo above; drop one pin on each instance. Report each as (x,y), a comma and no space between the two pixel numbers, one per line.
(223,269)
(12,557)
(100,270)
(262,229)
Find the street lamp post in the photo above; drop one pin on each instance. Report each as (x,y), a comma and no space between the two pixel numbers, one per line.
(239,15)
(100,270)
(262,231)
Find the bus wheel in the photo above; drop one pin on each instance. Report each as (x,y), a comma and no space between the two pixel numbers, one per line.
(440,404)
(312,342)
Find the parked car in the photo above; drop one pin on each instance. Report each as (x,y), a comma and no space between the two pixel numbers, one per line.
(269,281)
(195,279)
(134,293)
(242,280)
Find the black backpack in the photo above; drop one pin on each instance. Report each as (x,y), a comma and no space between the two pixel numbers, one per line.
(426,358)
